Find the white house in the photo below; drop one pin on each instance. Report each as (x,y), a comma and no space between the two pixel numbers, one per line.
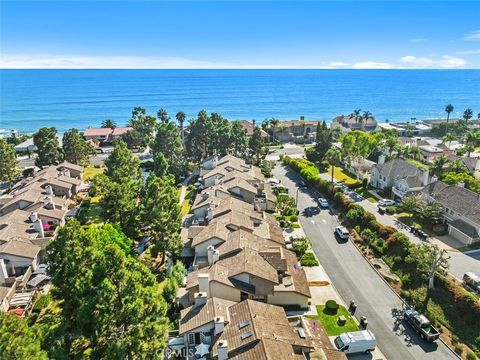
(403,177)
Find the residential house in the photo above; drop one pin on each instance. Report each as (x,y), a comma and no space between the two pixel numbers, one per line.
(241,180)
(407,128)
(345,123)
(461,209)
(246,267)
(105,135)
(401,176)
(297,130)
(71,170)
(250,126)
(430,153)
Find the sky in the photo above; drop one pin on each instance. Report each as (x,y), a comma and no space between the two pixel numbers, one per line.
(240,34)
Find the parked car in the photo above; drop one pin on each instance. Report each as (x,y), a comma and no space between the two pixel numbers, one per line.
(422,325)
(386,202)
(471,281)
(356,342)
(342,232)
(323,202)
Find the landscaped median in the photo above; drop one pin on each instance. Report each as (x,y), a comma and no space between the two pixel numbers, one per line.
(448,305)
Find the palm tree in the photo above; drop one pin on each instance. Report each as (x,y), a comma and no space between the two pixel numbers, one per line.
(356,115)
(163,116)
(414,153)
(449,137)
(472,139)
(181,120)
(437,166)
(392,143)
(366,115)
(109,124)
(333,157)
(274,123)
(448,110)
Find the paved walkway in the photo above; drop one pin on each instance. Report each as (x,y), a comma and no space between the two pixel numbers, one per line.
(184,189)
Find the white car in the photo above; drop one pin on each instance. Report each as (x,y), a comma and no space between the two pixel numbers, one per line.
(386,202)
(342,232)
(323,202)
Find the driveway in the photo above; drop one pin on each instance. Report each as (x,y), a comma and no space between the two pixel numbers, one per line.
(355,279)
(460,263)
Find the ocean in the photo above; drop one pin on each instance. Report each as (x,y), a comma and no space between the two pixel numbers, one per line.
(30,99)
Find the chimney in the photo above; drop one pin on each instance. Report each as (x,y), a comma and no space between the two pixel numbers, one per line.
(66,172)
(210,209)
(4,273)
(200,299)
(434,178)
(33,217)
(222,349)
(38,226)
(217,179)
(204,284)
(210,251)
(216,256)
(476,172)
(214,162)
(287,281)
(425,177)
(48,203)
(381,159)
(49,190)
(219,324)
(302,118)
(254,123)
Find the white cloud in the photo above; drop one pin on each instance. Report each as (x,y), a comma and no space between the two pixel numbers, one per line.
(469,52)
(473,36)
(417,40)
(445,62)
(338,64)
(100,62)
(371,65)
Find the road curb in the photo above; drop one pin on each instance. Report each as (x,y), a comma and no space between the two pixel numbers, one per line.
(401,299)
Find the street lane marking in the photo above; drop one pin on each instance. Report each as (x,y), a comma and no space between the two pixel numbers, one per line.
(313,222)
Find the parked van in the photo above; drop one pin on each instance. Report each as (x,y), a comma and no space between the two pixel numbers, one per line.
(356,342)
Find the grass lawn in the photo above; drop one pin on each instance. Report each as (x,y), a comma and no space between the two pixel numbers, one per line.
(329,321)
(410,220)
(366,194)
(90,172)
(92,214)
(341,176)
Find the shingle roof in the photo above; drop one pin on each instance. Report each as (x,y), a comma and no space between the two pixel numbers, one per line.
(196,316)
(270,334)
(397,169)
(20,248)
(461,200)
(69,165)
(97,132)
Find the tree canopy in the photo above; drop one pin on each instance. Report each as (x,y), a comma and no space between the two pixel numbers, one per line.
(49,152)
(8,162)
(75,148)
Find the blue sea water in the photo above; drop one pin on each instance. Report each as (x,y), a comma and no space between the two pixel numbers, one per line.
(30,99)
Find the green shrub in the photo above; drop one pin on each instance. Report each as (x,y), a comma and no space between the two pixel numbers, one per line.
(332,306)
(471,355)
(300,246)
(459,349)
(308,259)
(294,218)
(392,209)
(170,290)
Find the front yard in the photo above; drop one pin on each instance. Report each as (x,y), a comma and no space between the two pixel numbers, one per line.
(330,320)
(90,172)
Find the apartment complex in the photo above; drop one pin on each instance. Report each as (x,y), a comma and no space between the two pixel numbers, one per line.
(241,274)
(29,217)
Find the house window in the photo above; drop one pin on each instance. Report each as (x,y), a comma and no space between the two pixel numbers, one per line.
(191,338)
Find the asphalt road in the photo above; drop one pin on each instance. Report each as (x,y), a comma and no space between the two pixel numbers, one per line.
(355,279)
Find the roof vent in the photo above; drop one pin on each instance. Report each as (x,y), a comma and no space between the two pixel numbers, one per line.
(243,324)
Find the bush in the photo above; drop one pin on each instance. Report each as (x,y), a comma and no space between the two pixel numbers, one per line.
(392,209)
(331,306)
(459,349)
(300,246)
(294,218)
(170,290)
(471,355)
(308,259)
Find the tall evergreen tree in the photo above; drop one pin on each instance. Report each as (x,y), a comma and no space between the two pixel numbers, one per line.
(75,148)
(238,140)
(168,142)
(323,141)
(181,121)
(49,152)
(8,162)
(255,144)
(161,212)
